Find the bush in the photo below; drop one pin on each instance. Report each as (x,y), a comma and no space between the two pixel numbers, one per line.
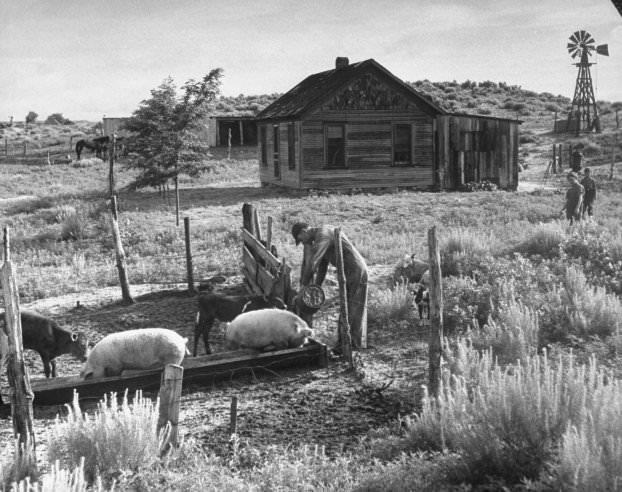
(544,241)
(508,423)
(57,119)
(58,480)
(591,311)
(116,439)
(466,303)
(392,304)
(514,336)
(15,465)
(599,252)
(31,117)
(74,226)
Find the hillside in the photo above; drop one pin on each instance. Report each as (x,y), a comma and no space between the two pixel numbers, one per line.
(536,110)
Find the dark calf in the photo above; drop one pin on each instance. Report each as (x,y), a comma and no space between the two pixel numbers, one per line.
(50,340)
(225,308)
(422,300)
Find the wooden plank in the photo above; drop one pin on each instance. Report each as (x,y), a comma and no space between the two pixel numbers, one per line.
(258,249)
(249,262)
(265,280)
(197,370)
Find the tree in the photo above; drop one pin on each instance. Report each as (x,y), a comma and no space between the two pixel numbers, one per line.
(31,117)
(166,129)
(57,119)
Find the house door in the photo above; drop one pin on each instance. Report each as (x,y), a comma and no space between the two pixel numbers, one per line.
(275,156)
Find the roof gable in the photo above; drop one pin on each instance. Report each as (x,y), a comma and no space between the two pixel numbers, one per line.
(362,85)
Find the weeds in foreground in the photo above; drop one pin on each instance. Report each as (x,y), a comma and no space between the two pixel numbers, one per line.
(16,465)
(115,439)
(59,480)
(508,423)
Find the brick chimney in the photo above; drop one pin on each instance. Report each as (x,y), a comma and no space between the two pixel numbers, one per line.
(341,62)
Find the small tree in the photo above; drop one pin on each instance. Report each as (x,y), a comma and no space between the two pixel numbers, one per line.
(166,131)
(31,117)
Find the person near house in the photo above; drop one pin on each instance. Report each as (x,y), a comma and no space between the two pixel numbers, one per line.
(574,198)
(589,185)
(576,160)
(319,251)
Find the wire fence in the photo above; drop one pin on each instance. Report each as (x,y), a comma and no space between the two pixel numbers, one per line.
(58,146)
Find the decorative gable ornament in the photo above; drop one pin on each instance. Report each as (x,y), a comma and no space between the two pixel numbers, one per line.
(367,92)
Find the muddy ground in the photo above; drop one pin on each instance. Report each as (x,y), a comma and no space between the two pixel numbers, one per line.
(332,407)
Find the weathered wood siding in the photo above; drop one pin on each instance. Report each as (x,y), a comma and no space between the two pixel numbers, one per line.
(288,177)
(369,150)
(472,148)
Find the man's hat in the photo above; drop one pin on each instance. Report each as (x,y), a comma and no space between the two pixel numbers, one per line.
(296,229)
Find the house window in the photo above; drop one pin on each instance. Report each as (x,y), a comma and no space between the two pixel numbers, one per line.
(335,145)
(275,150)
(291,146)
(402,145)
(264,146)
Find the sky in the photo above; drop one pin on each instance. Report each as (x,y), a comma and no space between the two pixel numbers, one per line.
(86,59)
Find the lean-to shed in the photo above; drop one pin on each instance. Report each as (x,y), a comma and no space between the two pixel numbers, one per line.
(359,126)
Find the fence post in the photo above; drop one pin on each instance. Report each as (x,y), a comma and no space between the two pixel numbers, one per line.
(233,417)
(554,160)
(435,344)
(21,394)
(120,253)
(613,154)
(344,324)
(189,255)
(269,234)
(561,163)
(256,224)
(170,394)
(111,168)
(229,145)
(25,148)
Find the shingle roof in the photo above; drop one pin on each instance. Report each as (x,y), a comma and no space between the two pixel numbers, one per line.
(317,88)
(618,5)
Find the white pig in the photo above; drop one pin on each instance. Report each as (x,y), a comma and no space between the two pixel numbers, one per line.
(266,329)
(147,348)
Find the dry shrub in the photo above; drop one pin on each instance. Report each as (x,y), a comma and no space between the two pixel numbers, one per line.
(15,465)
(59,480)
(117,438)
(508,422)
(590,310)
(513,336)
(392,304)
(544,241)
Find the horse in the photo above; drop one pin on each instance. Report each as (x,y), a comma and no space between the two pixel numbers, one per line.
(98,144)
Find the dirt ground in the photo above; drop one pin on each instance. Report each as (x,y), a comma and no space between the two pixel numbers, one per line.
(331,407)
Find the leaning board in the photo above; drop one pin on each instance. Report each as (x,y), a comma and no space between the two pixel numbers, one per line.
(197,370)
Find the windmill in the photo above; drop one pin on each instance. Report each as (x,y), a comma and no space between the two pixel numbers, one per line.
(583,114)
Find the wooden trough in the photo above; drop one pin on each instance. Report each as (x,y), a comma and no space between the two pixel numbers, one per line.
(197,370)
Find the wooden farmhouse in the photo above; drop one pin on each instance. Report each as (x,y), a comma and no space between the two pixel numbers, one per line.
(359,126)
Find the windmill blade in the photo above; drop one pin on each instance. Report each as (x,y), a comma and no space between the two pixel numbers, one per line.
(590,40)
(571,47)
(583,34)
(603,49)
(575,37)
(574,53)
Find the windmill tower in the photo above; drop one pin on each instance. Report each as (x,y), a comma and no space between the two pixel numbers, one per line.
(583,114)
